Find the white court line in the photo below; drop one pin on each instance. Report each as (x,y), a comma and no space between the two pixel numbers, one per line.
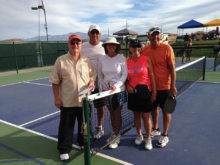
(22,82)
(27,82)
(36,133)
(113,159)
(39,119)
(55,139)
(209,82)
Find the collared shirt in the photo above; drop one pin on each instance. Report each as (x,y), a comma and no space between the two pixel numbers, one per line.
(72,77)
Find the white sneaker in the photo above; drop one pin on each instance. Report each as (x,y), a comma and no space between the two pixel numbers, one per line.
(115,141)
(64,157)
(99,133)
(155,132)
(112,136)
(148,144)
(162,142)
(139,139)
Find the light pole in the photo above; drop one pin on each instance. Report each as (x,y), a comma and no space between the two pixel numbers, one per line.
(45,25)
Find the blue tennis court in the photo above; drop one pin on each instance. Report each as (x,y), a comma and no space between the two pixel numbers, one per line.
(194,132)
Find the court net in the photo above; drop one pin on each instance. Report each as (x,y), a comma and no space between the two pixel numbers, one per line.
(186,76)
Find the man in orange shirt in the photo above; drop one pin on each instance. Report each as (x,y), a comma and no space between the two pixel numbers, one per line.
(163,61)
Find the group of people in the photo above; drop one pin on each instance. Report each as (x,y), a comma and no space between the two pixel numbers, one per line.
(99,66)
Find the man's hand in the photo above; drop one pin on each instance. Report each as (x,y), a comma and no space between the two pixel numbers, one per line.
(58,102)
(173,91)
(92,85)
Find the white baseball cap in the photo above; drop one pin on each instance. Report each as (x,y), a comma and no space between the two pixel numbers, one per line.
(154,29)
(94,26)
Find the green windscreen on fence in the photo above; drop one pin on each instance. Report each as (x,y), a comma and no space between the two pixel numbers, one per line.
(15,56)
(50,51)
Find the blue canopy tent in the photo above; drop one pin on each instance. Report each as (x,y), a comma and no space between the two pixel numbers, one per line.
(190,24)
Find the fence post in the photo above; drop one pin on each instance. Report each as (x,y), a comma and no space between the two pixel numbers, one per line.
(204,69)
(215,61)
(57,48)
(86,132)
(15,56)
(41,55)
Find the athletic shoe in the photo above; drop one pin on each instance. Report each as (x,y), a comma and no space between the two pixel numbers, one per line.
(99,133)
(64,157)
(148,144)
(155,132)
(139,139)
(162,142)
(112,136)
(114,140)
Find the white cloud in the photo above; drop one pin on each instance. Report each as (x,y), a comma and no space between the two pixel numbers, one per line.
(19,21)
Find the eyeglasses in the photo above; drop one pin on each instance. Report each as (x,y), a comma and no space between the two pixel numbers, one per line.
(136,46)
(75,42)
(94,32)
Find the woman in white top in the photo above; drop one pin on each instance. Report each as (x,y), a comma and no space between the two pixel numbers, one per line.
(112,74)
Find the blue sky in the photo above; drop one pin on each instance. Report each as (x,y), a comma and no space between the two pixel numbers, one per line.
(65,16)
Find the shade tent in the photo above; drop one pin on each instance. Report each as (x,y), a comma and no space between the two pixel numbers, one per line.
(191,24)
(215,22)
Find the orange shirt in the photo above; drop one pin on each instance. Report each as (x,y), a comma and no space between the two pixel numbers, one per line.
(161,57)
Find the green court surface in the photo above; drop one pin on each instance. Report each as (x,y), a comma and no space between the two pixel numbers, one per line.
(22,147)
(212,76)
(16,78)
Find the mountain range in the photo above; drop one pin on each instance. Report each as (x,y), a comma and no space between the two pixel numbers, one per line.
(63,37)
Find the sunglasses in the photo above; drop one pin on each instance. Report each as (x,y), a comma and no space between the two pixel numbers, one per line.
(94,32)
(136,46)
(75,42)
(154,28)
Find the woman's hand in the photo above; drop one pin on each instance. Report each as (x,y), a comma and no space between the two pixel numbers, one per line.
(112,88)
(153,97)
(129,89)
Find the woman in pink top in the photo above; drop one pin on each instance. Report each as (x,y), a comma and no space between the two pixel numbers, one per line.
(140,72)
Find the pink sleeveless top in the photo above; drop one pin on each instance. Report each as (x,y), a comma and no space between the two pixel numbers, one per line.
(138,72)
